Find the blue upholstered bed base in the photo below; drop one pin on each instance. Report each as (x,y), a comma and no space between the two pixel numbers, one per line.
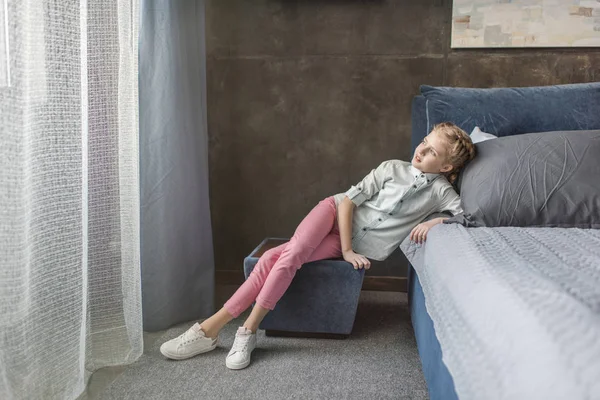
(438,378)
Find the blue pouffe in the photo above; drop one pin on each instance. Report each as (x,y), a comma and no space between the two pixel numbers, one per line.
(321,301)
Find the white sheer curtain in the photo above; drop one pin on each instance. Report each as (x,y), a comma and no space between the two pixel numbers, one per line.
(70,298)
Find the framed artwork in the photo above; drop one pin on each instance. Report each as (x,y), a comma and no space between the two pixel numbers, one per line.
(525,23)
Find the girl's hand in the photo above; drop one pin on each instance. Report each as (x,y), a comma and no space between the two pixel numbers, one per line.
(419,232)
(359,261)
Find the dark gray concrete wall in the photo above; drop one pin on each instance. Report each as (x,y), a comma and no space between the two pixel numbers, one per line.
(306,97)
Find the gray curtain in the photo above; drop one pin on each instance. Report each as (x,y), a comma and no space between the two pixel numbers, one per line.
(176,236)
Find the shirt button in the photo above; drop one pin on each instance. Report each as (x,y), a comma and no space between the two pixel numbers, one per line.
(389,213)
(364,229)
(415,186)
(401,201)
(380,219)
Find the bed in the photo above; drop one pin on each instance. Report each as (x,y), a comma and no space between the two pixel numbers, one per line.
(503,112)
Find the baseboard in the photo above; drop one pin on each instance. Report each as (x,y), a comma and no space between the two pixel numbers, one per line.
(378,283)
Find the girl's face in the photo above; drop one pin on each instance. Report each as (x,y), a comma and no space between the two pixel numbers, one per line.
(431,156)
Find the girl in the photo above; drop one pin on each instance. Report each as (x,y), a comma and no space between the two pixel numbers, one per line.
(368,221)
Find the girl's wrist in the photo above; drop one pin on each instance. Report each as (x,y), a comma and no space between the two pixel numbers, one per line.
(439,220)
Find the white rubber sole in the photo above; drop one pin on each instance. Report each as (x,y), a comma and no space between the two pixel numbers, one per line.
(232,365)
(186,356)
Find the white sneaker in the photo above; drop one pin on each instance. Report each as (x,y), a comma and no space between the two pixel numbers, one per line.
(244,343)
(189,344)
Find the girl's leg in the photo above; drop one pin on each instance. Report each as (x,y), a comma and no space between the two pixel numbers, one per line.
(310,234)
(213,325)
(314,237)
(323,216)
(246,293)
(330,247)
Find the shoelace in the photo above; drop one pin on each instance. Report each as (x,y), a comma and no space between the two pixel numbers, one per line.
(240,342)
(188,336)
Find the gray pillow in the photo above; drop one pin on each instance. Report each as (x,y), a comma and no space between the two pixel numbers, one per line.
(536,179)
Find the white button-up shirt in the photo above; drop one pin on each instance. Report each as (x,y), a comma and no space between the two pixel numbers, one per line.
(391,200)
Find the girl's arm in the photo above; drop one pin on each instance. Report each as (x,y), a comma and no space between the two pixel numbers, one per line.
(449,201)
(419,232)
(345,213)
(435,221)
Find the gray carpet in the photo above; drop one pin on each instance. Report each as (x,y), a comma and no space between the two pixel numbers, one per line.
(378,361)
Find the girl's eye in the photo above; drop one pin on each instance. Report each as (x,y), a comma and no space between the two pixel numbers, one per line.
(432,152)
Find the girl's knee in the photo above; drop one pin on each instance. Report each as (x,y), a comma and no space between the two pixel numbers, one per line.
(269,255)
(267,260)
(298,248)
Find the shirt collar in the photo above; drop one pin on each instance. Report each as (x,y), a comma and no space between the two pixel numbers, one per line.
(416,173)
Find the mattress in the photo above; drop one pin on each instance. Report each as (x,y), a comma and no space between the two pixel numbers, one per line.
(516,310)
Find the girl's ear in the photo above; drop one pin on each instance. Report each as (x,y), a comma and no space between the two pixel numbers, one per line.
(446,168)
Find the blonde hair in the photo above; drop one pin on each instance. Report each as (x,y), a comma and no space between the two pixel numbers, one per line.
(462,150)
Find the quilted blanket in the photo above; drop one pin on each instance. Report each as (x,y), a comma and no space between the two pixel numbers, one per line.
(516,310)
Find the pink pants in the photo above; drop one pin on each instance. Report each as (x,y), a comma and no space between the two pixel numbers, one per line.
(316,238)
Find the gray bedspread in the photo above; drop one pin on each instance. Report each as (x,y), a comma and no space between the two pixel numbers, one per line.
(516,310)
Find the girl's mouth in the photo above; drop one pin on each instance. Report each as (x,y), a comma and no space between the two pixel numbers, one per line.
(418,158)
